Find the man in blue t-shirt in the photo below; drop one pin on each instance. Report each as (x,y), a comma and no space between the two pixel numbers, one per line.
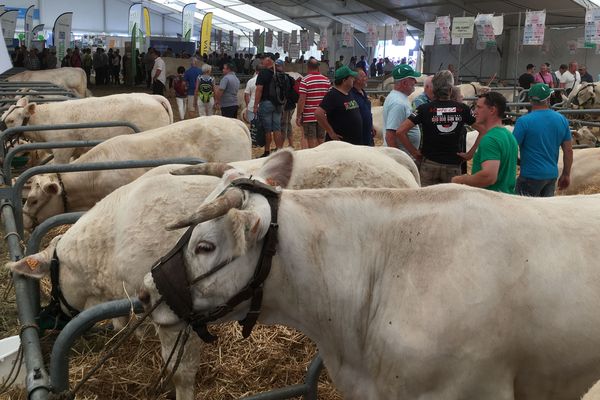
(540,134)
(190,77)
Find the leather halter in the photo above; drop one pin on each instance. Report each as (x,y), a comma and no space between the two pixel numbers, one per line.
(174,286)
(63,193)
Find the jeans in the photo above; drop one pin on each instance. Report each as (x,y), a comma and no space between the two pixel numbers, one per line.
(229,112)
(535,187)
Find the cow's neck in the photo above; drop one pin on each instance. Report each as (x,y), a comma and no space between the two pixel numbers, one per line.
(315,267)
(78,187)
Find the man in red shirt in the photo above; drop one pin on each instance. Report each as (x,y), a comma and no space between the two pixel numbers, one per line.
(313,88)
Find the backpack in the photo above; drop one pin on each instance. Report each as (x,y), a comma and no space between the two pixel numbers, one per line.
(205,89)
(279,88)
(179,86)
(292,94)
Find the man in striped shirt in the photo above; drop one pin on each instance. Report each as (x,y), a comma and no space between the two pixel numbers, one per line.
(313,88)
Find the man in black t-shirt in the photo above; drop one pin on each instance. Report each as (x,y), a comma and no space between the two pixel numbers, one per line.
(338,114)
(442,121)
(528,78)
(268,109)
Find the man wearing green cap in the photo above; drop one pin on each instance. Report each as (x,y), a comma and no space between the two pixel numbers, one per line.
(540,134)
(397,107)
(338,112)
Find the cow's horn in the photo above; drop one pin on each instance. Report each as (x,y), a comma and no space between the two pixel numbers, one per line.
(233,198)
(211,168)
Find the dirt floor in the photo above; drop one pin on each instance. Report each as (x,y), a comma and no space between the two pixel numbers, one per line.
(272,357)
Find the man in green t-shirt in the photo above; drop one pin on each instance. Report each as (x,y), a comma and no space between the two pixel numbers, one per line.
(495,161)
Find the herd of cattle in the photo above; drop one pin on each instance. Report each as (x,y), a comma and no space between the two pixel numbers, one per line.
(445,292)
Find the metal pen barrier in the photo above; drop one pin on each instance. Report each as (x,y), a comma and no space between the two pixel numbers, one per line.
(41,146)
(7,133)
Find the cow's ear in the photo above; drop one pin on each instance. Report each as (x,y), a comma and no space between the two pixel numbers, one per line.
(36,265)
(51,188)
(22,102)
(247,227)
(29,110)
(277,170)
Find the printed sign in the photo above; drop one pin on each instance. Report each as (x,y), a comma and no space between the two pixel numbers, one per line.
(429,34)
(462,27)
(371,40)
(535,25)
(442,30)
(347,35)
(399,33)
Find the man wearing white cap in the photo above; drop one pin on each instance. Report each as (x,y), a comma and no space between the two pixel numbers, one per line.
(540,134)
(397,108)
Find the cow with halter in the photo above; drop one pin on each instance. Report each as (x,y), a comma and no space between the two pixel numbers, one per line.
(105,255)
(423,312)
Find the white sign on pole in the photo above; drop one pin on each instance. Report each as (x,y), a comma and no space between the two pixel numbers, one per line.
(484,24)
(5,61)
(347,35)
(371,35)
(429,34)
(535,25)
(592,25)
(399,33)
(442,30)
(462,27)
(61,34)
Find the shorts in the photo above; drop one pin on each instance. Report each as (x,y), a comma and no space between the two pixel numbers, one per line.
(270,116)
(286,122)
(433,173)
(312,130)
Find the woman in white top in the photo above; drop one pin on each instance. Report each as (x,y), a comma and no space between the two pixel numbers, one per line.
(205,92)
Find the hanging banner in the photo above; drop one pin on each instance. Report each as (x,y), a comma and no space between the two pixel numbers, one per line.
(399,33)
(135,18)
(572,46)
(8,20)
(260,47)
(304,40)
(256,37)
(5,61)
(147,31)
(61,34)
(535,25)
(294,36)
(498,24)
(592,26)
(442,30)
(187,21)
(323,40)
(347,35)
(279,38)
(219,39)
(28,26)
(294,52)
(429,34)
(371,35)
(205,33)
(484,24)
(269,39)
(311,38)
(231,39)
(462,27)
(286,42)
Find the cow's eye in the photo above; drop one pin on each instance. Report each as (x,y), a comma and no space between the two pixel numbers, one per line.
(204,247)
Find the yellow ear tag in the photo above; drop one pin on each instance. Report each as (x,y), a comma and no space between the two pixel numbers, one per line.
(32,263)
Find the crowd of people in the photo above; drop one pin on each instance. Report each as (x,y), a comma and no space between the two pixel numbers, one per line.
(567,76)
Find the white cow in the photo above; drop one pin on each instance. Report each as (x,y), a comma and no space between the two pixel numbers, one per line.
(585,95)
(213,138)
(507,309)
(584,136)
(73,79)
(593,393)
(585,171)
(144,110)
(96,253)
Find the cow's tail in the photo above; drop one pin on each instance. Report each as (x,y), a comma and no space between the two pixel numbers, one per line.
(165,103)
